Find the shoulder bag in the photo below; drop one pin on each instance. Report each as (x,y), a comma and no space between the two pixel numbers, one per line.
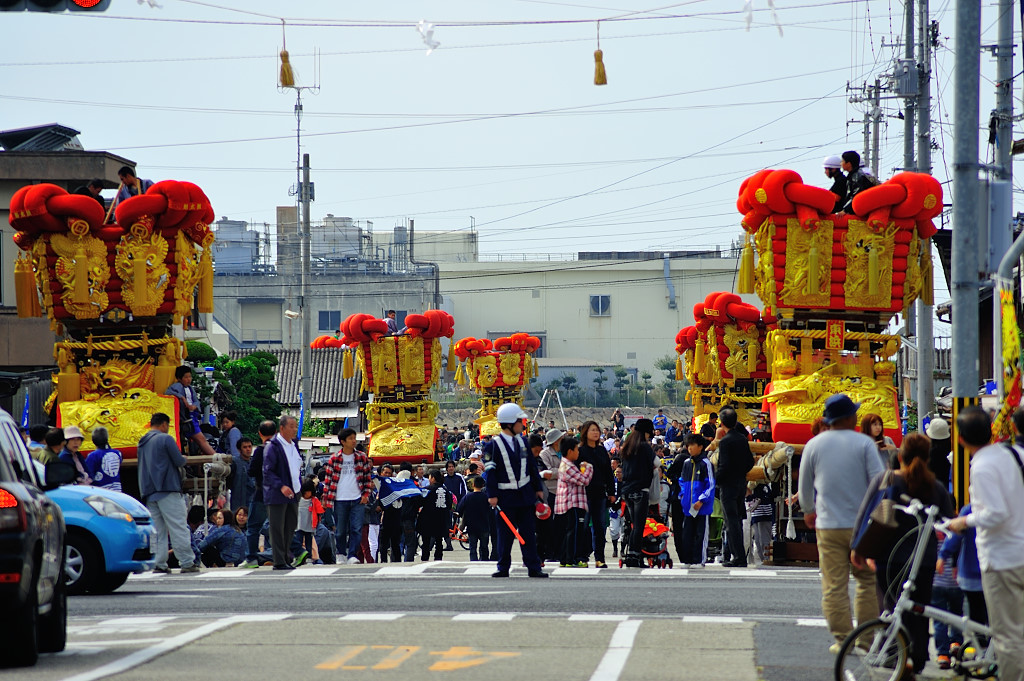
(879,531)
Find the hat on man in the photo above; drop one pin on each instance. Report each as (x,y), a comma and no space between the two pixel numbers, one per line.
(938,429)
(71,432)
(553,435)
(839,407)
(833,162)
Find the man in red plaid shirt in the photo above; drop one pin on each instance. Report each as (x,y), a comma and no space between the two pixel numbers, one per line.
(348,482)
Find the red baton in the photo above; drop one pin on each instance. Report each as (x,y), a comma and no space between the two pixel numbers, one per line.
(511,526)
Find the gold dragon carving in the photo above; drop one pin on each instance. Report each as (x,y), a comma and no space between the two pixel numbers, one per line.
(410,353)
(800,245)
(141,244)
(860,243)
(73,250)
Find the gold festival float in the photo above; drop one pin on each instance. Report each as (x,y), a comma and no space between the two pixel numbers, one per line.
(112,293)
(399,371)
(497,370)
(724,356)
(834,283)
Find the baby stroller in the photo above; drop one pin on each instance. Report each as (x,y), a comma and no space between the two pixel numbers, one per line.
(654,548)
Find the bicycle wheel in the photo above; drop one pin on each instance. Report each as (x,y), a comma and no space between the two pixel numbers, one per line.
(865,655)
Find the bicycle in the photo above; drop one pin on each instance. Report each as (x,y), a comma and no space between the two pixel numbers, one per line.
(878,650)
(458,534)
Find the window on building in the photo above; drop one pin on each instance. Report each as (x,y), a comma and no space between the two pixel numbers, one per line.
(330,320)
(600,306)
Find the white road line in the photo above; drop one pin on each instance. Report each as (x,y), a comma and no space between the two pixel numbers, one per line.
(598,618)
(372,616)
(312,572)
(577,572)
(122,643)
(143,656)
(812,622)
(658,572)
(752,572)
(472,593)
(711,619)
(134,621)
(403,570)
(480,570)
(619,648)
(219,574)
(484,617)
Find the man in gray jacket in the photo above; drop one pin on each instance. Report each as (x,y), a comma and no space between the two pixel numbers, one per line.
(160,488)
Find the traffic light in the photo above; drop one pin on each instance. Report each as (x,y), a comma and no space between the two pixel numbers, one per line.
(54,5)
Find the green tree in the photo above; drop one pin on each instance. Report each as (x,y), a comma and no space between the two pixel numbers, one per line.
(253,387)
(621,380)
(599,381)
(199,353)
(669,384)
(568,382)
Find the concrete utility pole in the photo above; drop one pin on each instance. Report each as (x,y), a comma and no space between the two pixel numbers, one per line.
(307,313)
(1004,167)
(925,313)
(965,224)
(909,104)
(876,117)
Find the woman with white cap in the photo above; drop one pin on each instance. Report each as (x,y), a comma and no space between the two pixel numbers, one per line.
(942,445)
(834,170)
(73,439)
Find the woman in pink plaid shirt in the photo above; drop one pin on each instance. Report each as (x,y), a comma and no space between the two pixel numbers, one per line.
(571,502)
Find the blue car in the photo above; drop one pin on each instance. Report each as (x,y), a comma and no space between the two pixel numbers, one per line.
(109,536)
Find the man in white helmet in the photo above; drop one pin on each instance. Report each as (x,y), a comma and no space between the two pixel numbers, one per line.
(514,485)
(834,171)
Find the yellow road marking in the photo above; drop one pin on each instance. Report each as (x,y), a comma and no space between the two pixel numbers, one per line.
(461,657)
(397,656)
(348,653)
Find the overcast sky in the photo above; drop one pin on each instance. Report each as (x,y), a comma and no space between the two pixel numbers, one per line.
(501,126)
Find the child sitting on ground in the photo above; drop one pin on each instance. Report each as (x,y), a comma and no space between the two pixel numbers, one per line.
(571,504)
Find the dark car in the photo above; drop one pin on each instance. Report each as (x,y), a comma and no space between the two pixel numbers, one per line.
(33,601)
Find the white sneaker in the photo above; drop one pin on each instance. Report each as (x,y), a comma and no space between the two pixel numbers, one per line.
(353,561)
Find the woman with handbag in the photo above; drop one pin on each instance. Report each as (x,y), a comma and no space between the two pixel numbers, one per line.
(883,535)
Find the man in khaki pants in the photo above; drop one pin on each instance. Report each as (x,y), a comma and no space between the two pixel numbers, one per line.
(835,469)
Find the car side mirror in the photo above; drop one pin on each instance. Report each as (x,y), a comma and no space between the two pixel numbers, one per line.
(59,473)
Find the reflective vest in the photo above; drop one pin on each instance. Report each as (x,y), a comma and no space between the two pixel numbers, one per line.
(515,482)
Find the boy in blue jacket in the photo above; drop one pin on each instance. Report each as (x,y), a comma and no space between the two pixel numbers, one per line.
(964,550)
(697,498)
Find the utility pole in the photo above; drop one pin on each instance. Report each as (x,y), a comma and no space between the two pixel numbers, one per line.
(910,323)
(1004,166)
(307,313)
(876,117)
(967,77)
(908,104)
(925,313)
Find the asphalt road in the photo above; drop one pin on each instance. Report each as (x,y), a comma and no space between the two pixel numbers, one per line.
(450,620)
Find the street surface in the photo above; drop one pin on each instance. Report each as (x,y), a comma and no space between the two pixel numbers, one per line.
(451,620)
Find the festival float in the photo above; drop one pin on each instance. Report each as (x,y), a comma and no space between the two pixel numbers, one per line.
(399,371)
(835,282)
(723,356)
(498,371)
(830,285)
(112,292)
